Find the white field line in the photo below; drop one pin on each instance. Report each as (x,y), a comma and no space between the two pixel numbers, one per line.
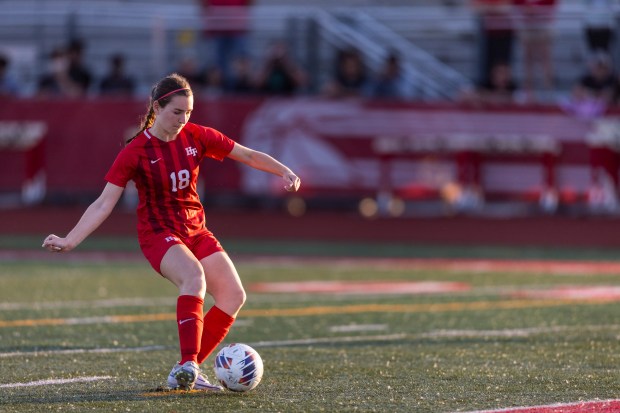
(352,328)
(82,351)
(515,332)
(55,381)
(280,343)
(329,340)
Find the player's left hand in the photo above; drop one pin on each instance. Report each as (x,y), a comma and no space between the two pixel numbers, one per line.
(54,243)
(292,182)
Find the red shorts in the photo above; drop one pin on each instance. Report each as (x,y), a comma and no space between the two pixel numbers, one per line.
(155,246)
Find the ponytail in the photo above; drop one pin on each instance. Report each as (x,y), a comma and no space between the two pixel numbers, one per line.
(147,122)
(162,93)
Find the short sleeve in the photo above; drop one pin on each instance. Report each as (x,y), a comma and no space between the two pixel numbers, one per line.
(216,144)
(123,169)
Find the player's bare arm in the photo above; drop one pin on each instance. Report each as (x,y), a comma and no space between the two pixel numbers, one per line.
(94,216)
(262,161)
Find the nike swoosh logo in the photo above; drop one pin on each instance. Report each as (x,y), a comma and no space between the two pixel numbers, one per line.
(186,320)
(156,160)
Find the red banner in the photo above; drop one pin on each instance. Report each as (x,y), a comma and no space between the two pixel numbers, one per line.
(335,146)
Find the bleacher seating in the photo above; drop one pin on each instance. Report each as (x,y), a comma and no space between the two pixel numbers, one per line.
(155,34)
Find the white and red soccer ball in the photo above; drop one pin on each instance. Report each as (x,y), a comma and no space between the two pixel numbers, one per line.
(238,367)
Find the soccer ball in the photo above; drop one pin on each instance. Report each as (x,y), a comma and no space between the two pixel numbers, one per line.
(238,367)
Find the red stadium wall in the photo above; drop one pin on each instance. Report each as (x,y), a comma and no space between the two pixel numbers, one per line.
(338,147)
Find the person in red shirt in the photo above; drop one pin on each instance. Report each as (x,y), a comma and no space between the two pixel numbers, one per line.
(535,20)
(163,160)
(227,26)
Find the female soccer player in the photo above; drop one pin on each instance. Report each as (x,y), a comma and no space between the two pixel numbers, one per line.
(163,160)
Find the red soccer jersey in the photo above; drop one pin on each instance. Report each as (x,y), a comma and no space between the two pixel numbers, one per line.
(165,174)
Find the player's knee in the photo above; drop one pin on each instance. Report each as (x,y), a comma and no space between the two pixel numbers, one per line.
(232,301)
(194,282)
(240,298)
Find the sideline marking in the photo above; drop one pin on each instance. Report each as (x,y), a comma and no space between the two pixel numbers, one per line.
(360,287)
(598,406)
(55,381)
(576,292)
(317,310)
(458,265)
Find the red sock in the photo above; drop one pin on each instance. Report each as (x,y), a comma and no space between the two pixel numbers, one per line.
(189,323)
(216,326)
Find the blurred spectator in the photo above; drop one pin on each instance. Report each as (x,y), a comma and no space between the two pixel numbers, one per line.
(500,89)
(390,82)
(212,83)
(496,35)
(593,92)
(8,85)
(189,68)
(280,75)
(599,25)
(55,81)
(241,80)
(535,20)
(116,82)
(66,74)
(598,81)
(349,78)
(227,24)
(79,74)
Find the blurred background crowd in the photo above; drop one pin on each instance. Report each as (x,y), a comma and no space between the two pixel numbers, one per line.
(471,51)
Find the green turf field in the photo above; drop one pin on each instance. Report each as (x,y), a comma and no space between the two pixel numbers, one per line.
(499,340)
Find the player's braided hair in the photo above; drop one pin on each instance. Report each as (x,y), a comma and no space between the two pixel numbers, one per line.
(162,93)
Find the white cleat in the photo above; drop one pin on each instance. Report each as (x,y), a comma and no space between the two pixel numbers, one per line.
(189,377)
